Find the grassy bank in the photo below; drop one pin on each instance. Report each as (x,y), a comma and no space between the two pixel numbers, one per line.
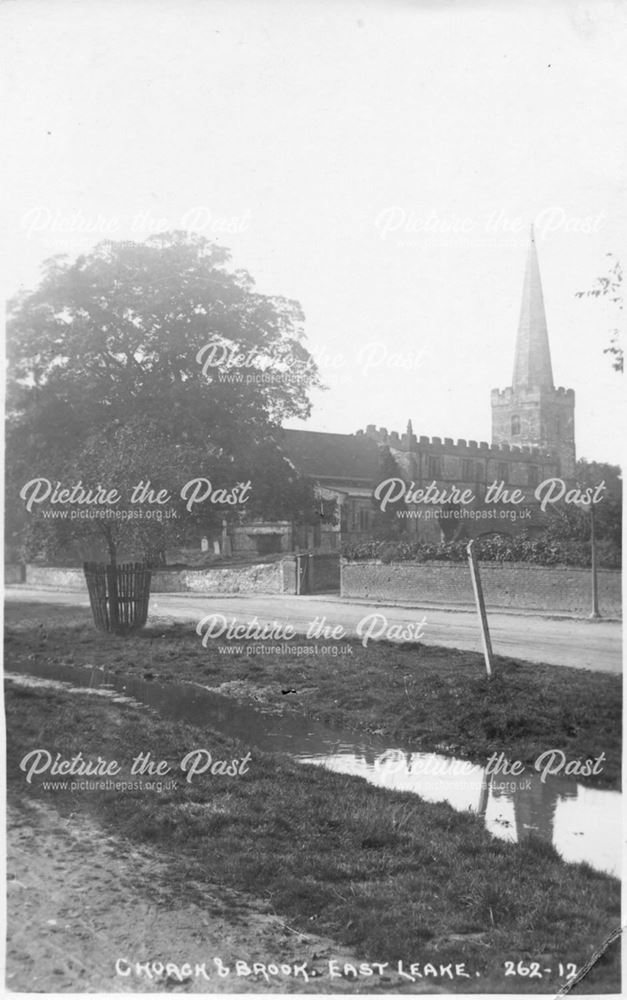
(419,698)
(382,872)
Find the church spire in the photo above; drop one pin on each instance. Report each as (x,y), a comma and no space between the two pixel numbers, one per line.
(532,360)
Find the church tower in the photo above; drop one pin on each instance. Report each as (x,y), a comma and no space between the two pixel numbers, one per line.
(532,411)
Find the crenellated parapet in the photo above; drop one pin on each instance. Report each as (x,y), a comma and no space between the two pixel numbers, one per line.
(448,446)
(535,393)
(402,442)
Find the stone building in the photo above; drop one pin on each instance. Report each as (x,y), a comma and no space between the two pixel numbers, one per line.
(533,438)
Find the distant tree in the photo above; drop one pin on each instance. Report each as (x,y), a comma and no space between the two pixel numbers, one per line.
(283,491)
(589,473)
(569,525)
(610,285)
(608,513)
(109,384)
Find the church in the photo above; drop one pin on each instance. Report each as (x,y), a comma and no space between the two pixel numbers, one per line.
(533,438)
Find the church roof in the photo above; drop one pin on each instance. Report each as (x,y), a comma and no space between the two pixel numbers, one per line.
(348,457)
(532,360)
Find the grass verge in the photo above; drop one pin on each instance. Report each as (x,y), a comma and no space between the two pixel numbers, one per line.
(419,698)
(379,871)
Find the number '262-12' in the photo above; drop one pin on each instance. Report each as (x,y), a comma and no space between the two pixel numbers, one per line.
(534,970)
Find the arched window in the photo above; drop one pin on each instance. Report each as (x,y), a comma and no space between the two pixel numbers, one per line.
(515,425)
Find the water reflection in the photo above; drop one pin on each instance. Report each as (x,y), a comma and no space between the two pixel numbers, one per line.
(583,823)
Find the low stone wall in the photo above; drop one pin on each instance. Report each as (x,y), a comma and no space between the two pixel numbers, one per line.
(14,573)
(265,578)
(259,579)
(520,586)
(52,576)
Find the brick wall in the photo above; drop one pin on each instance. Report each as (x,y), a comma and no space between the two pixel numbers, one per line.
(521,586)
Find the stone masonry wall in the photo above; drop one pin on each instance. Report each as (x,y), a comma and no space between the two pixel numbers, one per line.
(267,578)
(261,579)
(14,573)
(52,576)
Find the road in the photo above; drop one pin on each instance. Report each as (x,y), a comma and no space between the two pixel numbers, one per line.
(593,645)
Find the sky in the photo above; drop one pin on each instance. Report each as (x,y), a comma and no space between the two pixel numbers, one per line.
(380,162)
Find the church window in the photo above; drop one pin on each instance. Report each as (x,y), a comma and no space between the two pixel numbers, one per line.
(364,519)
(468,470)
(533,476)
(502,472)
(557,426)
(515,425)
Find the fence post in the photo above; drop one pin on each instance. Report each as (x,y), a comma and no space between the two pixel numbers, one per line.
(483,618)
(112,588)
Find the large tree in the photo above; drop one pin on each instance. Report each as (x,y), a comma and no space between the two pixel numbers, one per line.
(152,361)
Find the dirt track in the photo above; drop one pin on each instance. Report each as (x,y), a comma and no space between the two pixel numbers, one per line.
(78,900)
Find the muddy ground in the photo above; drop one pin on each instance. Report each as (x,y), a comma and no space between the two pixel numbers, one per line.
(77,897)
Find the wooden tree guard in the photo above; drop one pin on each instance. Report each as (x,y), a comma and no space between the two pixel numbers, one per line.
(118,595)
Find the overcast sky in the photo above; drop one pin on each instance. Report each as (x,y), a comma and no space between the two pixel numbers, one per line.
(378,161)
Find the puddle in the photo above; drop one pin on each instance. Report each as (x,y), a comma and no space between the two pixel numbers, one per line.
(583,823)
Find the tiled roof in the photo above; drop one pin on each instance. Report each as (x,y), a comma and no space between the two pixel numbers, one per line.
(332,456)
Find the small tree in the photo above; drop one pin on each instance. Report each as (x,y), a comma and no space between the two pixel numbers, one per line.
(610,285)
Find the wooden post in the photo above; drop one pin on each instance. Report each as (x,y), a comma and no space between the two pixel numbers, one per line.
(584,505)
(483,618)
(593,562)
